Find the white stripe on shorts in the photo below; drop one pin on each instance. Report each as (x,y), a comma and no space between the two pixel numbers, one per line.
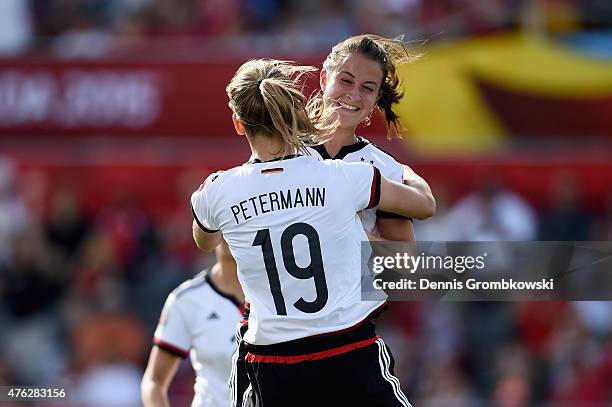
(232,379)
(233,374)
(384,359)
(247,397)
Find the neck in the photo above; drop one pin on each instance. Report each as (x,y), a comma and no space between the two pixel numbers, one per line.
(223,275)
(342,137)
(268,148)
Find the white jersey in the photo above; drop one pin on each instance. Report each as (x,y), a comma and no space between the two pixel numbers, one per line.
(366,152)
(199,320)
(292,227)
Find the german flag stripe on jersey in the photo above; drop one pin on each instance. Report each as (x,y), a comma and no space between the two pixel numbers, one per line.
(375,189)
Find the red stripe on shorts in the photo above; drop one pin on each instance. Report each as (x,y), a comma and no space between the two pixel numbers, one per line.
(311,356)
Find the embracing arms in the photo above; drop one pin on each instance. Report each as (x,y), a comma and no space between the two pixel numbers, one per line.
(406,200)
(206,241)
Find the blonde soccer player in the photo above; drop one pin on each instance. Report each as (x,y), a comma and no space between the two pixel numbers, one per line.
(291,223)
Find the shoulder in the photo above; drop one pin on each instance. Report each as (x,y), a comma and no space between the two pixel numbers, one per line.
(377,148)
(218,177)
(380,153)
(350,169)
(337,172)
(190,289)
(213,182)
(316,151)
(207,185)
(385,162)
(367,152)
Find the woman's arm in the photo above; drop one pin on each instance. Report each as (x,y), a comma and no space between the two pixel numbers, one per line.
(160,371)
(405,200)
(412,179)
(395,229)
(206,241)
(401,229)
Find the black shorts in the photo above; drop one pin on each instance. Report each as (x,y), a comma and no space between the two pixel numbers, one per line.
(240,387)
(348,368)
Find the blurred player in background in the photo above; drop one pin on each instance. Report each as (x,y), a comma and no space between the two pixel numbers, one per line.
(310,338)
(198,319)
(359,76)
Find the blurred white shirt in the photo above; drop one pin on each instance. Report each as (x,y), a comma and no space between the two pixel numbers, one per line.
(15,26)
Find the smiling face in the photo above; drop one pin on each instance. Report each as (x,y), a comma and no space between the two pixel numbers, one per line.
(353,89)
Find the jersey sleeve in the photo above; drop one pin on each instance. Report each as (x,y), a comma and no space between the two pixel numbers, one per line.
(172,333)
(363,184)
(201,208)
(395,173)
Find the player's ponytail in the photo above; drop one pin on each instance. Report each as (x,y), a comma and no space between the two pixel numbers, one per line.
(266,96)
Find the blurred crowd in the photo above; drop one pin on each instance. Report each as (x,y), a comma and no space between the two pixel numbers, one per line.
(81,292)
(80,295)
(94,28)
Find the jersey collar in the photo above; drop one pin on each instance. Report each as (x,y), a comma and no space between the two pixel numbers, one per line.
(344,151)
(255,160)
(221,293)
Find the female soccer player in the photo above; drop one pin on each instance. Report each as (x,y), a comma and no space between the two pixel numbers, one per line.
(199,320)
(310,338)
(359,76)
